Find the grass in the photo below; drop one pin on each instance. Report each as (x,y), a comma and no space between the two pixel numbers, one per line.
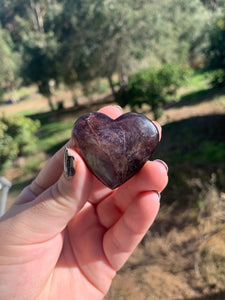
(22,92)
(197,89)
(52,135)
(203,143)
(199,80)
(26,91)
(28,112)
(30,105)
(207,152)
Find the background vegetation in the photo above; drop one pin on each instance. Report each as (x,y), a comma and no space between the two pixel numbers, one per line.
(164,58)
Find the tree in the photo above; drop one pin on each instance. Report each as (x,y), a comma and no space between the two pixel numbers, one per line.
(154,87)
(215,53)
(100,38)
(179,27)
(9,63)
(106,37)
(213,4)
(17,138)
(29,23)
(40,63)
(70,41)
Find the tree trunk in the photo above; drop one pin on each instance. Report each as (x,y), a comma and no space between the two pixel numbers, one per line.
(123,78)
(111,85)
(39,23)
(74,97)
(50,102)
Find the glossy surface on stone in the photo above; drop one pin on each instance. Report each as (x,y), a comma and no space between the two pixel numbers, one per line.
(114,150)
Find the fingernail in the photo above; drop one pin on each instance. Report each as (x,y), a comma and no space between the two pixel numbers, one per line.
(163,163)
(69,161)
(159,195)
(119,107)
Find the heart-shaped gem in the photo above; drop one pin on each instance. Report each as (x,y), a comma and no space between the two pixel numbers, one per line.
(114,150)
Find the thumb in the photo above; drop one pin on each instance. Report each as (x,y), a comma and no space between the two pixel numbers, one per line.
(48,214)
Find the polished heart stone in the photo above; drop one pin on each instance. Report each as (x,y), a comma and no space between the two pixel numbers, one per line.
(114,150)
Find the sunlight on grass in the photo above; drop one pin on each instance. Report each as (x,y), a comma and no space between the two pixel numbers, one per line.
(22,92)
(27,91)
(53,134)
(27,112)
(198,81)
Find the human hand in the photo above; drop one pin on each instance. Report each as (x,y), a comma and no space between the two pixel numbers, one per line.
(65,237)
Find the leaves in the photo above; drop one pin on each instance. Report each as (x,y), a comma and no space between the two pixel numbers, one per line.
(69,41)
(154,87)
(17,137)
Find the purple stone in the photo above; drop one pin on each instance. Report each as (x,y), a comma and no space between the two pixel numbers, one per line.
(114,150)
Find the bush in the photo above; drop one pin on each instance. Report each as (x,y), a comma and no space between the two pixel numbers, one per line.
(218,78)
(154,87)
(17,136)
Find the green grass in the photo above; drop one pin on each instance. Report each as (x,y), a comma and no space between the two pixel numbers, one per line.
(28,112)
(199,140)
(53,135)
(196,84)
(207,152)
(22,92)
(26,91)
(199,80)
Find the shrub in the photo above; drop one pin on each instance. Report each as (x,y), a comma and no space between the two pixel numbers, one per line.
(17,138)
(154,87)
(218,78)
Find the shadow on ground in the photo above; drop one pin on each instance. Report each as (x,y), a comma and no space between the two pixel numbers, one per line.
(72,112)
(185,136)
(194,98)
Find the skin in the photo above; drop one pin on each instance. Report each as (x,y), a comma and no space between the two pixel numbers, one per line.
(65,238)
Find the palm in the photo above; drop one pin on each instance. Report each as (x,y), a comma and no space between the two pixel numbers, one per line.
(80,261)
(73,262)
(83,263)
(95,240)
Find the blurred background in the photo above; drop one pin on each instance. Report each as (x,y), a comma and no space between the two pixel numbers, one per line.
(164,58)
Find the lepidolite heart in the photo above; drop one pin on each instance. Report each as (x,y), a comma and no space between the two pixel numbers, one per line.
(114,150)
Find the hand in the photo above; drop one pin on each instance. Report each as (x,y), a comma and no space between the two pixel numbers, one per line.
(65,237)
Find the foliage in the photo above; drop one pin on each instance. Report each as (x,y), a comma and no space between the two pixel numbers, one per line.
(31,26)
(218,78)
(215,52)
(107,37)
(23,18)
(213,4)
(40,64)
(99,38)
(17,136)
(154,87)
(69,41)
(178,30)
(9,63)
